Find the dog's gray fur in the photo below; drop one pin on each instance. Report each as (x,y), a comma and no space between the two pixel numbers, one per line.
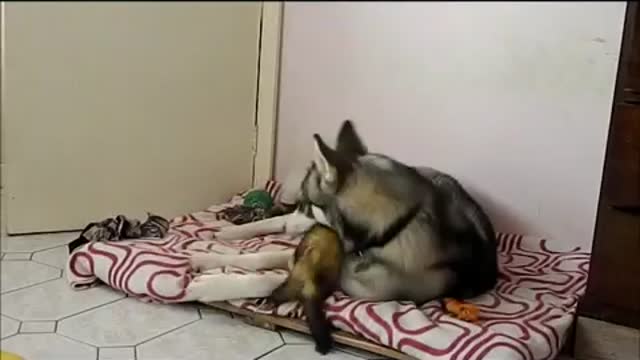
(447,248)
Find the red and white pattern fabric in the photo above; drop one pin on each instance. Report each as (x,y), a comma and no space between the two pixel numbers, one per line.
(526,316)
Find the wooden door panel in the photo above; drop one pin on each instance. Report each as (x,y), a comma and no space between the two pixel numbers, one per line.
(123,107)
(613,288)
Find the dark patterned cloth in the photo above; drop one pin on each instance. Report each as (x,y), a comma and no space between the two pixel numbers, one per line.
(242,214)
(121,228)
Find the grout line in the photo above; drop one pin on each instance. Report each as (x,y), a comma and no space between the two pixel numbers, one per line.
(39,250)
(40,233)
(51,248)
(10,336)
(21,331)
(167,332)
(135,353)
(51,266)
(215,311)
(90,309)
(76,340)
(45,264)
(30,259)
(16,260)
(12,318)
(32,285)
(270,351)
(17,252)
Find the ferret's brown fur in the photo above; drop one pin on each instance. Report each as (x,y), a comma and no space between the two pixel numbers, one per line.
(314,276)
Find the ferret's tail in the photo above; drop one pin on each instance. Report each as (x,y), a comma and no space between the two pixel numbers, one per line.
(318,324)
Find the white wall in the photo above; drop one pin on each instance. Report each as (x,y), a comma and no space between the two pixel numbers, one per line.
(514,99)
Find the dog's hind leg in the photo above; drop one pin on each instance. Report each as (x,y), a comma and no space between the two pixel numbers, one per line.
(220,287)
(253,229)
(293,224)
(366,278)
(363,277)
(254,261)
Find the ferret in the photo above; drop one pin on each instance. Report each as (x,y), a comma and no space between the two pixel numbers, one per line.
(314,276)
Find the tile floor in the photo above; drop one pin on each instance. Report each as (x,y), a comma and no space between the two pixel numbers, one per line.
(44,319)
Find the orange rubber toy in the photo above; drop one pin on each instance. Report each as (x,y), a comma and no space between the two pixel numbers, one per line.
(461,310)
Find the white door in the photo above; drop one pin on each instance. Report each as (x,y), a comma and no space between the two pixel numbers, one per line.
(112,108)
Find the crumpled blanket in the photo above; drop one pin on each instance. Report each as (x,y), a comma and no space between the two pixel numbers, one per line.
(121,227)
(526,316)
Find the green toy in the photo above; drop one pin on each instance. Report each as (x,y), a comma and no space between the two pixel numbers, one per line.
(258,199)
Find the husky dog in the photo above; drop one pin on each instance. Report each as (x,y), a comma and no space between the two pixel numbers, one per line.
(409,233)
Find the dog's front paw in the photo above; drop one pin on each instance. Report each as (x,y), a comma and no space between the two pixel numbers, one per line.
(204,262)
(233,232)
(202,289)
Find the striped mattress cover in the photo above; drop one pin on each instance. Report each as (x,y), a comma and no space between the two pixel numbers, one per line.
(527,315)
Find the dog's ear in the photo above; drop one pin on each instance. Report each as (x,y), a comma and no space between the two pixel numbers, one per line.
(330,164)
(348,142)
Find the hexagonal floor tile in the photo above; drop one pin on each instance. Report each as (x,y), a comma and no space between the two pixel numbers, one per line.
(62,300)
(307,352)
(31,243)
(19,274)
(214,337)
(48,347)
(55,257)
(117,353)
(28,327)
(8,326)
(126,322)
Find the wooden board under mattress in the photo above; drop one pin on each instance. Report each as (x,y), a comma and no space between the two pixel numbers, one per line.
(272,322)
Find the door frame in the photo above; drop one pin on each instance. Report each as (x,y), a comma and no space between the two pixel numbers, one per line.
(270,44)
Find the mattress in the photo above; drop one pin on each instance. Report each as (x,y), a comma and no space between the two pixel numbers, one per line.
(526,316)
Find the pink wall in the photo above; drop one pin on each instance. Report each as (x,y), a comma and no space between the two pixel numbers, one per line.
(513,99)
